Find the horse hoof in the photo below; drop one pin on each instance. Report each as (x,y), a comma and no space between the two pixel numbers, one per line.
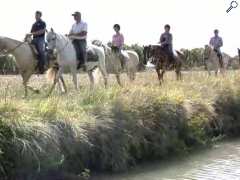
(37,91)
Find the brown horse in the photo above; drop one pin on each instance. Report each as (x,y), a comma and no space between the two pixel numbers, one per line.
(239,54)
(162,61)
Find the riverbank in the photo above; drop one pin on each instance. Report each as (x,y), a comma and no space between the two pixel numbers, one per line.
(116,128)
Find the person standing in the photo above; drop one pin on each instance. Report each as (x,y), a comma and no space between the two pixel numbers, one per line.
(216,43)
(38,32)
(78,34)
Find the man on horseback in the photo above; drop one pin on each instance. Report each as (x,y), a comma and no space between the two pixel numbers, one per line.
(78,34)
(118,43)
(216,43)
(166,42)
(38,33)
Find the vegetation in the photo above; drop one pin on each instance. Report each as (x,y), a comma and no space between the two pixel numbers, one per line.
(115,128)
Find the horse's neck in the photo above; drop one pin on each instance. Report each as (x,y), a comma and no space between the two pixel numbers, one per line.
(62,42)
(11,44)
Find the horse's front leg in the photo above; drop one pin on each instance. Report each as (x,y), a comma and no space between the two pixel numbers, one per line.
(26,76)
(57,76)
(159,75)
(61,79)
(91,78)
(74,76)
(36,91)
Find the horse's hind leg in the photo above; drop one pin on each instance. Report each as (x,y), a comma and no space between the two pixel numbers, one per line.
(104,75)
(119,80)
(178,74)
(90,75)
(159,76)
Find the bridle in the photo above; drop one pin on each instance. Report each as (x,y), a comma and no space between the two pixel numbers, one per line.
(55,43)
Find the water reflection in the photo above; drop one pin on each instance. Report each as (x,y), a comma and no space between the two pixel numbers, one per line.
(221,162)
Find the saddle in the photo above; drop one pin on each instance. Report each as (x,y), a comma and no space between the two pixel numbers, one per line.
(91,55)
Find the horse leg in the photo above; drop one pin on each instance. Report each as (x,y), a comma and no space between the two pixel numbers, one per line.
(119,80)
(159,76)
(63,83)
(178,74)
(162,73)
(37,91)
(74,75)
(104,75)
(26,76)
(90,75)
(57,75)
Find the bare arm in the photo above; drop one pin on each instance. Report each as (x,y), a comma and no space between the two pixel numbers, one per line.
(42,31)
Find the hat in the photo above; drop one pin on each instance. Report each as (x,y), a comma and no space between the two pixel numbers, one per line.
(76,13)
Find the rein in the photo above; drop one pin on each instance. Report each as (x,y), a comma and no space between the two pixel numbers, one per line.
(12,50)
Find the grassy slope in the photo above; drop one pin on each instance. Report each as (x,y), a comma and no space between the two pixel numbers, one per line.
(113,128)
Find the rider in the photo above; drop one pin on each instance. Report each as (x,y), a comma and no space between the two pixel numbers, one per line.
(118,43)
(216,42)
(166,42)
(78,34)
(38,33)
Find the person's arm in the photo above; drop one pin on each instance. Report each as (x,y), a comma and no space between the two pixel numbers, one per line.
(82,33)
(41,31)
(221,42)
(121,41)
(161,39)
(211,42)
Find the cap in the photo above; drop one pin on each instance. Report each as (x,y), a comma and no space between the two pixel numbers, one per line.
(76,13)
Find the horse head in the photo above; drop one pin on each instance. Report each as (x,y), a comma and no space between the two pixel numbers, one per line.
(3,46)
(52,39)
(146,54)
(52,52)
(207,52)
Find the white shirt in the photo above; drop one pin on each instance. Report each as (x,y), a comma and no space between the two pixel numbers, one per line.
(78,28)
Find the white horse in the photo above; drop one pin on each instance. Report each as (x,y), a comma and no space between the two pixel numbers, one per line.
(113,62)
(67,57)
(212,61)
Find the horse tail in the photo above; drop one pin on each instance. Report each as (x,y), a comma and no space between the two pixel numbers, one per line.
(52,72)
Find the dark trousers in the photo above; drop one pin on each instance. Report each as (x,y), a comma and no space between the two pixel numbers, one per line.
(39,44)
(168,49)
(219,54)
(81,50)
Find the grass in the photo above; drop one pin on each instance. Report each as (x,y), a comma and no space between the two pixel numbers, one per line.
(115,128)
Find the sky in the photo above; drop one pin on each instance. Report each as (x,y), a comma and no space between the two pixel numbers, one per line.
(142,21)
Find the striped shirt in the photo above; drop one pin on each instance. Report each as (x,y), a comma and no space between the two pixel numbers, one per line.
(118,40)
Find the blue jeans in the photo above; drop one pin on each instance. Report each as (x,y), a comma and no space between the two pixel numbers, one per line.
(81,50)
(39,43)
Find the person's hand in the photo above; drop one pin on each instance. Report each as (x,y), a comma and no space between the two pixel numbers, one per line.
(29,34)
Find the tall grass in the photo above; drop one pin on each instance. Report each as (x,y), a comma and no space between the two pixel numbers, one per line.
(115,128)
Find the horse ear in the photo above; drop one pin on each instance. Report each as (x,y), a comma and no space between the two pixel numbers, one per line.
(52,30)
(46,31)
(179,53)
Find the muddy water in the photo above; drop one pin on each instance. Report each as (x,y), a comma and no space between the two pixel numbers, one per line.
(221,162)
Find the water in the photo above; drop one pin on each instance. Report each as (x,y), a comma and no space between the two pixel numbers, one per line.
(221,162)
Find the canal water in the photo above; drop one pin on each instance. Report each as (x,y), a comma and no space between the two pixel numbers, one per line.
(221,162)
